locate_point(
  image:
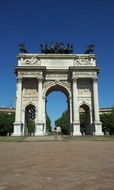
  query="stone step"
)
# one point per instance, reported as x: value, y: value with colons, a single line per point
x: 45, y: 138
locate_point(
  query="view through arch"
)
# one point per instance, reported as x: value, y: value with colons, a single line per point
x: 85, y: 122
x: 30, y: 120
x: 57, y: 108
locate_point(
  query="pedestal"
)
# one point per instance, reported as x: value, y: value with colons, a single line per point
x: 39, y: 131
x: 98, y: 129
x: 76, y: 129
x: 17, y: 129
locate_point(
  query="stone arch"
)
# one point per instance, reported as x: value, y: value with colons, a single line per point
x: 56, y: 72
x: 84, y: 103
x: 29, y: 103
x: 57, y: 85
x: 85, y: 119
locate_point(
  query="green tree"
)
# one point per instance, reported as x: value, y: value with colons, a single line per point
x: 48, y: 123
x: 31, y: 127
x: 6, y: 123
x: 106, y: 122
x: 112, y: 121
x: 83, y: 122
x: 63, y: 122
x: 58, y: 122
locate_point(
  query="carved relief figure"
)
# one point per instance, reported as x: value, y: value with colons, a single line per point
x: 31, y: 61
x: 84, y: 88
x: 30, y: 87
x: 84, y: 91
x: 82, y: 61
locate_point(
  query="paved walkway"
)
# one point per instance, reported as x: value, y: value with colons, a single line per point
x: 61, y: 165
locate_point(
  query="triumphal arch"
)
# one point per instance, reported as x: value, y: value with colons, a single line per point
x: 56, y: 68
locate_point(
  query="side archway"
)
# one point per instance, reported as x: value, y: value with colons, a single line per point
x: 85, y: 121
x: 30, y: 115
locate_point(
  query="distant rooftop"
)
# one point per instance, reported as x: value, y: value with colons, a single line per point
x: 12, y: 109
x: 7, y: 109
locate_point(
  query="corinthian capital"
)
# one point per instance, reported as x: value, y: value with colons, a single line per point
x: 74, y: 79
x: 95, y: 79
x: 40, y: 79
x: 19, y: 79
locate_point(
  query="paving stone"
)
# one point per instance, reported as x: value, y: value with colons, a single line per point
x: 62, y: 165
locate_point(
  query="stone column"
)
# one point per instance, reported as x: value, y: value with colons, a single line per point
x: 23, y: 122
x: 18, y: 123
x: 76, y: 123
x: 44, y: 114
x: 70, y: 109
x: 39, y: 125
x: 97, y: 123
x: 91, y: 122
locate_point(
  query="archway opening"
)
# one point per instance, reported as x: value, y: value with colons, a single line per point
x: 30, y: 114
x: 85, y: 124
x: 57, y: 109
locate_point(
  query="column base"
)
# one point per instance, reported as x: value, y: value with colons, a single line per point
x: 17, y: 129
x: 39, y: 131
x: 98, y: 129
x: 76, y: 129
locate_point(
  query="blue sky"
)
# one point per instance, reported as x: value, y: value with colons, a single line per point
x: 79, y: 22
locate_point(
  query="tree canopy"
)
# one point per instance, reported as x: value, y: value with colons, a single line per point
x: 64, y: 122
x: 6, y: 123
x: 112, y: 120
x: 31, y: 126
x: 107, y: 120
x: 48, y: 123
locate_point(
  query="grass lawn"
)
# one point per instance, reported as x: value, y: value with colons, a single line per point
x: 11, y: 139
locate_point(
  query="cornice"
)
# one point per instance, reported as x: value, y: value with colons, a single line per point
x: 55, y: 56
x: 84, y: 68
x: 29, y: 68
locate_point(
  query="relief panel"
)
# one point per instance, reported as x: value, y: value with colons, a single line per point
x: 32, y: 61
x: 31, y: 74
x: 30, y: 87
x: 84, y: 87
x: 84, y: 74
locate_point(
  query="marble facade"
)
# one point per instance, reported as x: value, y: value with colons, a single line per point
x: 76, y: 75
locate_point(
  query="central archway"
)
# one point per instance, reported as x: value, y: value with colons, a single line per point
x: 60, y: 89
